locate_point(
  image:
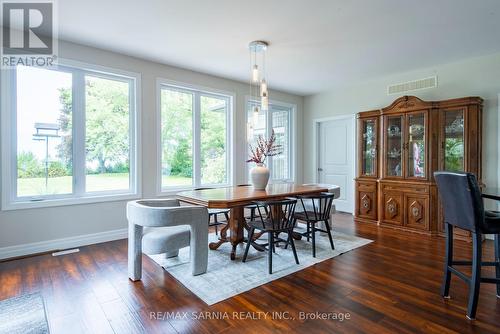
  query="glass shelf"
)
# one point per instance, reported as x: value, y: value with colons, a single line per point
x: 453, y: 144
x: 394, y: 147
x: 416, y: 145
x: 369, y: 147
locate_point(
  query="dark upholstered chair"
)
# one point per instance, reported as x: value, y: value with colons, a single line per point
x: 214, y: 213
x: 316, y: 209
x: 463, y: 207
x: 251, y: 207
x: 274, y: 217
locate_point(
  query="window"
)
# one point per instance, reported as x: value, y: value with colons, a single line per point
x: 72, y: 135
x: 194, y: 137
x: 278, y: 118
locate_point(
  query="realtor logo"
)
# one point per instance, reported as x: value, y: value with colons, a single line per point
x: 28, y: 33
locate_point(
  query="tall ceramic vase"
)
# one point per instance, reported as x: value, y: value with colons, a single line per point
x: 259, y: 176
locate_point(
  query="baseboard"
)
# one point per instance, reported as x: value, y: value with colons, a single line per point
x: 60, y: 244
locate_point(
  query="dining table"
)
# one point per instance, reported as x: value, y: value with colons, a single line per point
x: 235, y: 199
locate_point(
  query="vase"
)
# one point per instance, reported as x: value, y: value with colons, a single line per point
x: 259, y: 176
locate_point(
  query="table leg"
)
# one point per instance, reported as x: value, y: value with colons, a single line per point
x: 235, y: 227
x: 236, y: 224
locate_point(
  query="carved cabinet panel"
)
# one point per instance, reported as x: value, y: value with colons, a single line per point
x: 366, y: 200
x: 417, y: 212
x: 392, y: 208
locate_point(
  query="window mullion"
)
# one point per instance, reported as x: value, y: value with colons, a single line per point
x: 78, y: 133
x: 269, y: 129
x: 196, y: 140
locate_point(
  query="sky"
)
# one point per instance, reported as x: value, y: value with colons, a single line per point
x: 38, y: 102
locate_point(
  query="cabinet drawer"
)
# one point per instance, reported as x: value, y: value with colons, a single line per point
x: 366, y: 186
x: 413, y: 188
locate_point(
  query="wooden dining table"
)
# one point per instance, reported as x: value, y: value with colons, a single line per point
x: 235, y: 199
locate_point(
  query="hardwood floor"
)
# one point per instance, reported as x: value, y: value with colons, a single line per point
x: 391, y: 285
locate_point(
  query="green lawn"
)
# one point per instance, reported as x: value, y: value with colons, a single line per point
x: 94, y: 182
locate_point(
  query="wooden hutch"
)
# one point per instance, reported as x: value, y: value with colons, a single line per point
x: 400, y: 147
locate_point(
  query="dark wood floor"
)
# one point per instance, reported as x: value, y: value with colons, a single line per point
x: 388, y: 286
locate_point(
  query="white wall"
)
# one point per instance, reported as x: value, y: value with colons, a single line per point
x: 27, y: 226
x: 472, y: 77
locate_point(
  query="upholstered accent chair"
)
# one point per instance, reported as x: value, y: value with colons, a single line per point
x: 162, y: 226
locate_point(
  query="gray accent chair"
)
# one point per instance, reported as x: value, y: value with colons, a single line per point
x: 162, y: 226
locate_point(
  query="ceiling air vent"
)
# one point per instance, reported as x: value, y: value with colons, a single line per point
x: 412, y: 85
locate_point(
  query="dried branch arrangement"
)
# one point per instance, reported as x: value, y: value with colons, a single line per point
x: 264, y: 148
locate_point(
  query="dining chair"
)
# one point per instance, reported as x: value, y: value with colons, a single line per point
x: 279, y: 219
x: 315, y: 210
x: 333, y: 189
x: 162, y: 226
x: 251, y: 207
x: 214, y: 213
x: 463, y: 207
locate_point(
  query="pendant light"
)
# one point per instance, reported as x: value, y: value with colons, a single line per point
x: 258, y: 83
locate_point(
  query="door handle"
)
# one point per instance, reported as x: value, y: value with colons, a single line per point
x: 320, y: 169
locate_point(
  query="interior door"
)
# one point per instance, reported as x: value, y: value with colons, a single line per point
x: 336, y: 159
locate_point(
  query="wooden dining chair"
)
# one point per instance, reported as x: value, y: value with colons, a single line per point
x: 214, y: 213
x: 251, y: 207
x: 315, y: 210
x: 463, y: 207
x: 278, y: 219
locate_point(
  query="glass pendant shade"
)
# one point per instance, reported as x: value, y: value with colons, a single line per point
x: 255, y: 73
x: 263, y: 87
x: 255, y: 115
x: 264, y: 102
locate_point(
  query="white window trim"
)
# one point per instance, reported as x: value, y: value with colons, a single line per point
x: 10, y: 201
x: 230, y: 125
x: 292, y: 137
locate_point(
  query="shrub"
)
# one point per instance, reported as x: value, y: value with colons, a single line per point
x: 28, y: 166
x: 57, y: 169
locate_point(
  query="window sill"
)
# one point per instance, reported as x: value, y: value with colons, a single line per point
x: 18, y: 205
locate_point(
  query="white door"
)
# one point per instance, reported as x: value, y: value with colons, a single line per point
x: 336, y: 158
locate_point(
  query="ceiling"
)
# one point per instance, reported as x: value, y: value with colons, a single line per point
x: 315, y: 45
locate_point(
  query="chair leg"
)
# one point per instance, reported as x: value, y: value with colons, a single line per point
x: 250, y: 236
x: 476, y: 276
x: 308, y: 230
x: 313, y: 228
x: 215, y: 222
x: 497, y: 259
x: 292, y: 243
x: 445, y: 288
x: 270, y: 251
x: 274, y: 244
x: 329, y: 229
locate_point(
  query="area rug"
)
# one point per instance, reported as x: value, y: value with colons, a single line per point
x: 237, y: 277
x: 24, y: 314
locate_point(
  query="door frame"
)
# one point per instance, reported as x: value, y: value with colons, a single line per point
x: 498, y: 148
x: 316, y: 154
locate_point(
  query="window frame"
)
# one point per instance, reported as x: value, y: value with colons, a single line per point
x: 292, y: 136
x: 10, y: 200
x: 197, y: 91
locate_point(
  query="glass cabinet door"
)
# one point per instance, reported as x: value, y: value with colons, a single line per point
x: 369, y: 147
x: 394, y: 146
x: 416, y: 145
x: 453, y: 145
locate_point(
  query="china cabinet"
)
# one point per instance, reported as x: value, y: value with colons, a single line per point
x: 399, y: 148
